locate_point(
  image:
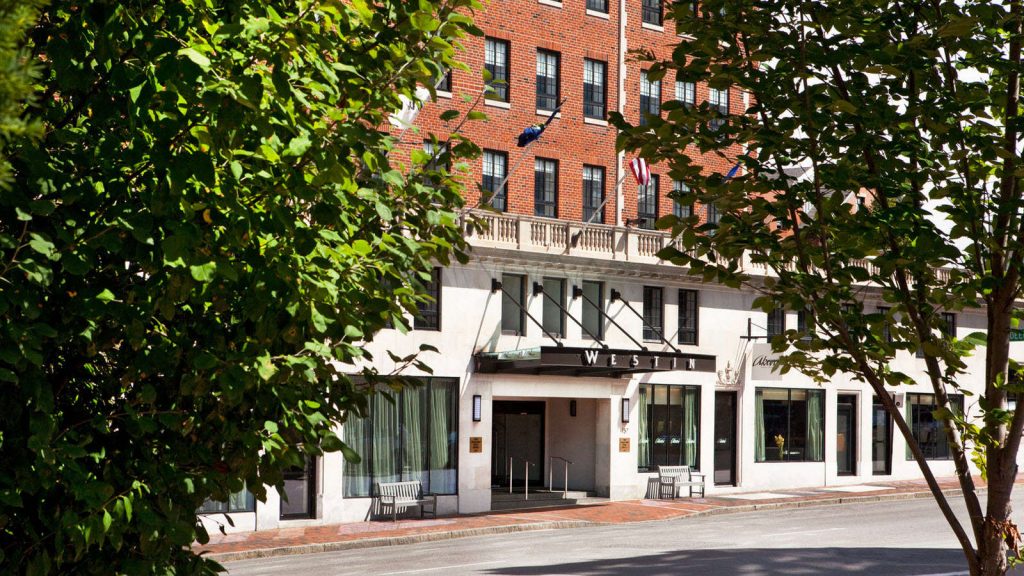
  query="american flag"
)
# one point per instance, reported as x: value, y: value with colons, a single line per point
x: 641, y: 171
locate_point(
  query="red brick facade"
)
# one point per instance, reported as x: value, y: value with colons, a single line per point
x: 575, y: 34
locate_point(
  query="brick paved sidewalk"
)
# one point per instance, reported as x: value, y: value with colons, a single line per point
x: 324, y: 538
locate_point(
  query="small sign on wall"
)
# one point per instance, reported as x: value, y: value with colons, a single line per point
x: 623, y: 444
x: 476, y: 444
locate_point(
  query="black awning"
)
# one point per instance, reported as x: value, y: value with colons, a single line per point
x: 564, y: 361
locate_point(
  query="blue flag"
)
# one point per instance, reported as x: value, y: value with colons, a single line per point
x: 533, y: 131
x: 732, y: 172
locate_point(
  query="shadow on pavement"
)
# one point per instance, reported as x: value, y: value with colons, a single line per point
x: 765, y: 562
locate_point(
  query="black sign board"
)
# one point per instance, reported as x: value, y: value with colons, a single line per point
x: 590, y: 361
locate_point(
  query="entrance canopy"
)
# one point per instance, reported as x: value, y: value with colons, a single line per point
x: 612, y: 363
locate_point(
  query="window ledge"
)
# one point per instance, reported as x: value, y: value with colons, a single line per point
x: 594, y: 121
x: 654, y: 27
x: 443, y: 94
x: 552, y: 3
x: 498, y: 104
x: 546, y: 113
x: 686, y: 36
x: 596, y: 14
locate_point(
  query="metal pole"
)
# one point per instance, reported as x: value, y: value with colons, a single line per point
x: 526, y: 479
x: 551, y: 469
x: 565, y: 485
x: 509, y: 474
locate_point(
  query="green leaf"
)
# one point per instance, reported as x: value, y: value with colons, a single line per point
x: 105, y: 296
x: 449, y: 115
x: 203, y: 272
x: 195, y: 56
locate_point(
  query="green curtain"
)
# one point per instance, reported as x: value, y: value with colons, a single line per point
x: 443, y: 438
x: 241, y: 501
x: 759, y: 426
x: 815, y: 430
x: 643, y: 453
x: 356, y: 477
x: 413, y: 437
x: 385, y: 439
x: 690, y: 426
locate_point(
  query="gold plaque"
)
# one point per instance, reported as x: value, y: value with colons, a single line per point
x: 476, y: 444
x: 623, y: 444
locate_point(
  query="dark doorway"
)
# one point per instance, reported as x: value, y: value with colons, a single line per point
x: 299, y: 498
x: 846, y: 434
x: 725, y: 438
x: 881, y: 439
x: 517, y: 434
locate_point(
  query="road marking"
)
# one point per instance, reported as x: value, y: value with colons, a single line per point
x: 444, y: 568
x: 774, y: 534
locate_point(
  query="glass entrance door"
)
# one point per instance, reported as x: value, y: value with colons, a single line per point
x: 846, y: 435
x: 299, y: 498
x: 517, y: 433
x: 881, y: 439
x: 725, y: 438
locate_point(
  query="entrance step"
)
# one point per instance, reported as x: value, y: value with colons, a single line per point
x: 502, y: 500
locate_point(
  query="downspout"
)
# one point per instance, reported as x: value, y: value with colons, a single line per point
x: 621, y: 157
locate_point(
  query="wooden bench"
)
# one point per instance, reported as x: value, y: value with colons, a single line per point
x: 402, y: 495
x: 671, y: 478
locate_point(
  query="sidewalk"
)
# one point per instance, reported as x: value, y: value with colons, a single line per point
x: 325, y: 538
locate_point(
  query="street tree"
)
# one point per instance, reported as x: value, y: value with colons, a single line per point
x: 914, y: 108
x: 194, y: 252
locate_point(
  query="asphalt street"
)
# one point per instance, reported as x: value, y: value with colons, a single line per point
x: 901, y: 538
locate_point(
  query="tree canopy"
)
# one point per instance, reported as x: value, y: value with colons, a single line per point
x: 194, y: 253
x: 882, y: 158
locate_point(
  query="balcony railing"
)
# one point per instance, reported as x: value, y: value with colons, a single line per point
x: 551, y: 236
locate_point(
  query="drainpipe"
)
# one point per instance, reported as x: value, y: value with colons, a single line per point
x: 621, y: 157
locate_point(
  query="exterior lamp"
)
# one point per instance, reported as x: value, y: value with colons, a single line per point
x: 477, y: 407
x: 625, y: 410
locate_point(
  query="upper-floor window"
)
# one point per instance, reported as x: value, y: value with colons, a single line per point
x: 680, y: 189
x: 513, y: 295
x: 718, y: 100
x: 650, y: 98
x: 688, y: 311
x: 554, y: 306
x: 805, y: 323
x: 496, y: 56
x: 686, y: 92
x: 545, y: 188
x: 886, y: 328
x: 594, y: 88
x: 443, y: 81
x: 776, y: 322
x: 713, y: 215
x: 593, y: 305
x: 593, y: 194
x: 654, y: 313
x: 647, y: 204
x: 495, y: 168
x: 547, y: 80
x: 652, y: 13
x: 429, y: 315
x: 948, y: 328
x: 598, y: 6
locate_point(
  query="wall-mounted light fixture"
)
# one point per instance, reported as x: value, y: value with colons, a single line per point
x: 615, y: 295
x: 576, y: 292
x: 495, y: 285
x: 478, y: 407
x: 625, y: 410
x: 572, y: 408
x: 538, y: 288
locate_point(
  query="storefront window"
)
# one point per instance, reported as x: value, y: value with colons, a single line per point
x: 241, y: 501
x: 413, y: 438
x: 788, y: 425
x: 668, y: 427
x: 929, y: 432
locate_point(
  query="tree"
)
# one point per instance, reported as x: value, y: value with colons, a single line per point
x: 196, y: 251
x: 914, y: 107
x: 16, y: 83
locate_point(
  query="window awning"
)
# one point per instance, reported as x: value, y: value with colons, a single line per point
x: 609, y: 363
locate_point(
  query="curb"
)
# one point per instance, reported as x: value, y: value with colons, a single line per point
x: 393, y: 540
x: 553, y: 525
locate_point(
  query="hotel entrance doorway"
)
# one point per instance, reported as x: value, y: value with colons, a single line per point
x: 518, y: 443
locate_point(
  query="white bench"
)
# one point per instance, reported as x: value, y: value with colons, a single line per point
x: 671, y: 478
x: 402, y: 495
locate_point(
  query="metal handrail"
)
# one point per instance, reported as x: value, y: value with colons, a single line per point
x: 565, y: 481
